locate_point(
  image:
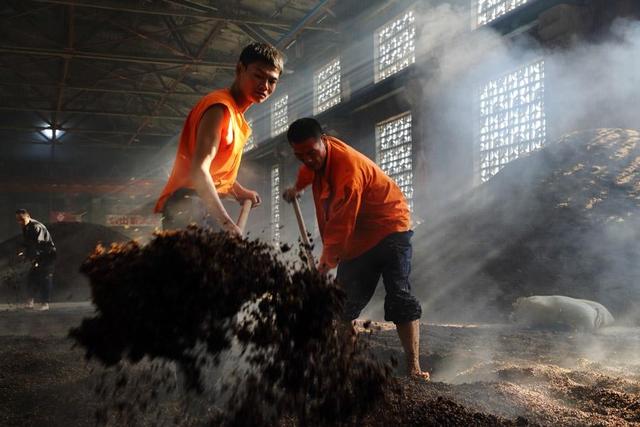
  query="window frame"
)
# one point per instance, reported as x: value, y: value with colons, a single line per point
x: 316, y: 93
x: 377, y: 72
x: 410, y: 144
x: 524, y: 146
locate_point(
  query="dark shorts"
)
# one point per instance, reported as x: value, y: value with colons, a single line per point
x: 391, y: 259
x: 185, y: 207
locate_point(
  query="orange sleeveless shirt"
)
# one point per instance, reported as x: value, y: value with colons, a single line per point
x: 225, y: 165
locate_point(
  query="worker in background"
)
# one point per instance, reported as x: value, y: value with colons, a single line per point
x: 365, y: 225
x: 37, y: 246
x: 211, y: 145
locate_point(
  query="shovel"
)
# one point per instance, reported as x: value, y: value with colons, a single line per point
x: 244, y: 215
x: 303, y: 234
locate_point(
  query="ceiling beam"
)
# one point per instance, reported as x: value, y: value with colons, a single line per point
x: 304, y: 24
x: 29, y: 11
x: 28, y: 29
x: 183, y: 73
x: 139, y: 187
x: 150, y: 10
x: 101, y: 144
x: 90, y: 113
x: 193, y: 5
x: 177, y: 36
x: 84, y: 131
x: 101, y: 56
x: 256, y: 33
x: 144, y: 103
x: 65, y: 69
x: 191, y: 24
x: 105, y: 90
x: 22, y: 77
x: 97, y: 25
x: 96, y: 80
x: 151, y: 39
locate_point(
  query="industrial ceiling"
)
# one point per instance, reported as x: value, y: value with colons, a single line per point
x: 100, y: 79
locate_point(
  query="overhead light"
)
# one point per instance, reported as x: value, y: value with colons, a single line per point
x: 49, y: 133
x: 291, y: 43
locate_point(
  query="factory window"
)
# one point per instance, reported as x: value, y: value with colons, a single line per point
x: 279, y: 115
x: 326, y: 87
x: 488, y: 10
x: 511, y: 118
x: 393, y: 152
x: 395, y: 46
x: 275, y: 203
x: 250, y: 144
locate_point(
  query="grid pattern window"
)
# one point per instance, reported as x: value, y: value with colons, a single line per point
x: 275, y: 203
x: 326, y: 87
x: 250, y: 144
x: 279, y: 115
x: 512, y: 118
x: 489, y: 10
x: 394, y: 152
x: 395, y: 46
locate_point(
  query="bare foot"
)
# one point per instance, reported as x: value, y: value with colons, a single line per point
x: 422, y: 375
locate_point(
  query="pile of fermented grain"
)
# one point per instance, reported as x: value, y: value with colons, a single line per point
x: 563, y: 220
x: 74, y: 241
x: 183, y: 290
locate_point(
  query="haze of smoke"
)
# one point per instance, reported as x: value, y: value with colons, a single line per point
x: 589, y: 84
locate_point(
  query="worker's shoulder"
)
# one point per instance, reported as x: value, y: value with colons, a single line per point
x: 345, y: 153
x: 218, y: 99
x: 35, y: 225
x: 39, y: 224
x: 221, y: 95
x: 350, y: 164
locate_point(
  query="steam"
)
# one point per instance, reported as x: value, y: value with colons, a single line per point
x: 589, y: 84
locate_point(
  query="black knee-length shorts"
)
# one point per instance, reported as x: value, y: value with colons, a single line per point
x: 391, y: 259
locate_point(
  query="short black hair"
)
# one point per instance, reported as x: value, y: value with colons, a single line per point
x: 22, y: 212
x: 303, y: 129
x: 262, y: 52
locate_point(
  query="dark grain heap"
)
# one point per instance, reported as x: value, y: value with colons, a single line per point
x: 183, y: 291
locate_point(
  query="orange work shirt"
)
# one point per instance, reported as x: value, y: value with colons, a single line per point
x: 224, y: 167
x: 357, y: 204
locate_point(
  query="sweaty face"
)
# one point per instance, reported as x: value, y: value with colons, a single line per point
x: 257, y: 81
x: 312, y: 152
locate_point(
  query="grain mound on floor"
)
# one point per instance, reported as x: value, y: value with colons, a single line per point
x: 183, y: 291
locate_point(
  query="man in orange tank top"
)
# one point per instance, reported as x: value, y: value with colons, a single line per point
x: 211, y: 143
x: 365, y: 225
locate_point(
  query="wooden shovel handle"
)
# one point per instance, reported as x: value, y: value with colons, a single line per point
x: 244, y: 214
x: 303, y: 233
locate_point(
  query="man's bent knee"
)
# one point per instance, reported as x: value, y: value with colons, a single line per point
x: 402, y: 309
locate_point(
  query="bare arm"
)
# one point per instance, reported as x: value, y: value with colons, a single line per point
x: 241, y: 194
x: 207, y: 144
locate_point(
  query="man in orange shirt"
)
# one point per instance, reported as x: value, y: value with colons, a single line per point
x: 211, y: 143
x: 365, y: 225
